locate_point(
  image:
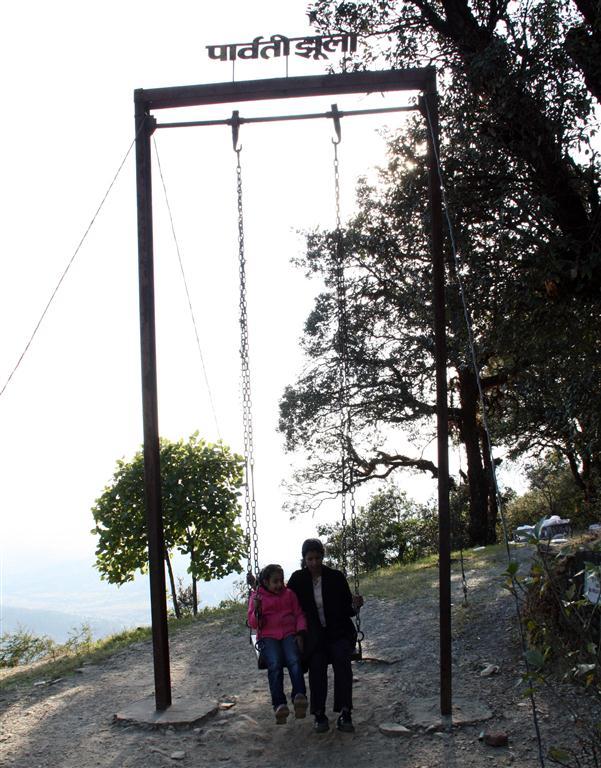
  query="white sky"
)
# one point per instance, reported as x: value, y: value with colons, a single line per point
x: 74, y: 405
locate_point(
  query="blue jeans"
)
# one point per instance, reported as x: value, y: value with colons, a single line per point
x: 278, y: 654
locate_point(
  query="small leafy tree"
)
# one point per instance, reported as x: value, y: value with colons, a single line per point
x: 391, y: 528
x: 200, y: 483
x: 23, y: 647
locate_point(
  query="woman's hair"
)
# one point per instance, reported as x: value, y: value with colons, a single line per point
x: 311, y: 545
x: 268, y: 571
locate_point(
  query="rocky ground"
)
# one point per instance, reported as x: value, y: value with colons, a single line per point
x: 69, y: 724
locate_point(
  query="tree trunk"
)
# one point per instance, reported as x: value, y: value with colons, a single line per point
x: 194, y: 588
x: 492, y: 506
x: 478, y: 529
x: 590, y: 478
x: 178, y: 614
x: 194, y: 596
x: 572, y: 461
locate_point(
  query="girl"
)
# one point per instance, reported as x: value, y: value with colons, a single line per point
x: 274, y: 611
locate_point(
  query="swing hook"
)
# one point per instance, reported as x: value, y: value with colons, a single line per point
x: 236, y: 122
x: 335, y: 114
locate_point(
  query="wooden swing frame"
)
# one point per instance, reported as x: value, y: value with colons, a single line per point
x: 146, y: 102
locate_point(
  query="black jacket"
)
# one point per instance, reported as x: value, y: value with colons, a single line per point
x: 337, y: 602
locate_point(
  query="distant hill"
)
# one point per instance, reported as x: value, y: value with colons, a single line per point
x: 51, y: 598
x: 55, y: 624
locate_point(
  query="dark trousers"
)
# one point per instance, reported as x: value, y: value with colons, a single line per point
x: 338, y: 654
x: 277, y: 654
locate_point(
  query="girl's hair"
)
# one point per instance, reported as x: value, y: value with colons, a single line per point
x: 268, y: 571
x: 311, y: 545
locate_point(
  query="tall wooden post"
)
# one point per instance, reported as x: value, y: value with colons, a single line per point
x: 429, y: 107
x: 152, y: 467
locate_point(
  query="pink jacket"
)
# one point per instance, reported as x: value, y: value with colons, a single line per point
x: 281, y: 614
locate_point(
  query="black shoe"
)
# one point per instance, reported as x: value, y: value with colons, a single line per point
x: 321, y: 724
x: 345, y: 722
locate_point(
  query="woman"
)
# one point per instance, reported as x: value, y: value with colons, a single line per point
x: 328, y: 604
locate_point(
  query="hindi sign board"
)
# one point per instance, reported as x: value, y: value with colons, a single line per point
x: 312, y: 47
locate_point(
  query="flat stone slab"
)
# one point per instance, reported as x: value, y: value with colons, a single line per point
x: 394, y: 729
x: 425, y: 713
x: 384, y: 659
x: 183, y: 712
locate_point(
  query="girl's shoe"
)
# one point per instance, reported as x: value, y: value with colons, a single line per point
x: 281, y: 714
x: 300, y: 705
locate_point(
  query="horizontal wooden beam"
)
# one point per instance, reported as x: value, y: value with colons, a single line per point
x: 415, y: 79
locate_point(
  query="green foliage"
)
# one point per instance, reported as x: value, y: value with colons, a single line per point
x: 238, y: 596
x: 391, y: 529
x: 552, y: 491
x: 23, y: 647
x: 79, y: 640
x: 517, y: 87
x: 199, y: 486
x: 561, y: 624
x: 185, y: 598
x: 522, y: 181
x: 535, y: 658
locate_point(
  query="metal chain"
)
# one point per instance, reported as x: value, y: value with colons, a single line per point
x: 341, y: 349
x: 250, y: 506
x: 348, y: 487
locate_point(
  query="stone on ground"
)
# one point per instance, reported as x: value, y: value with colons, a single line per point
x: 498, y: 739
x: 394, y: 729
x: 425, y: 713
x: 183, y: 712
x: 489, y: 669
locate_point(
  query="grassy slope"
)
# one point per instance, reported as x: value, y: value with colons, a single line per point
x: 406, y: 581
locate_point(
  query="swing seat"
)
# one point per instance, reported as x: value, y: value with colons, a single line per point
x: 261, y: 663
x: 357, y: 654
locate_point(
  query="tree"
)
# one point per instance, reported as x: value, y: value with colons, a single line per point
x: 534, y: 70
x: 199, y: 488
x: 387, y: 263
x: 551, y: 491
x: 555, y: 407
x: 391, y: 528
x: 512, y: 130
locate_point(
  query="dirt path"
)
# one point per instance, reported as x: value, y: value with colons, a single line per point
x: 69, y: 724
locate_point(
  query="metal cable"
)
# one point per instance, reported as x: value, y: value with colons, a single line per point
x: 464, y: 585
x: 472, y: 351
x: 70, y: 262
x: 250, y: 506
x: 181, y: 266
